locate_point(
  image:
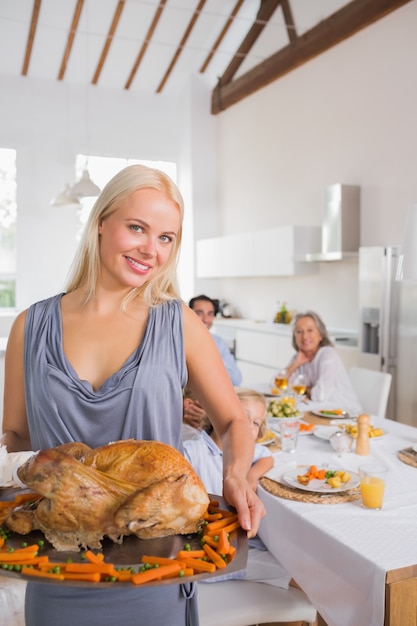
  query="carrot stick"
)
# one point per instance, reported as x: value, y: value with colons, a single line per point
x: 32, y: 548
x: 154, y: 573
x: 28, y: 571
x: 215, y: 557
x: 232, y: 552
x: 2, y: 542
x: 212, y: 517
x: 222, y: 512
x: 228, y: 529
x: 161, y: 560
x: 94, y: 577
x: 200, y: 565
x: 215, y: 526
x: 91, y: 568
x: 51, y: 564
x: 94, y: 558
x: 211, y: 541
x: 124, y: 575
x: 194, y: 554
x: 188, y: 571
x: 37, y: 560
x: 11, y: 557
x: 223, y: 545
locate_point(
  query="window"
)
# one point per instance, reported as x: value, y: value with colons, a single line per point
x: 102, y: 169
x: 8, y: 213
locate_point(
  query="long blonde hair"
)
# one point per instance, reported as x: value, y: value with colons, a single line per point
x: 85, y: 269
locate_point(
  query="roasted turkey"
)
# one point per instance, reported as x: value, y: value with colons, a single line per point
x: 142, y: 488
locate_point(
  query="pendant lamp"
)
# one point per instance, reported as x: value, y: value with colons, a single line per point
x: 407, y: 266
x: 65, y: 198
x: 85, y: 186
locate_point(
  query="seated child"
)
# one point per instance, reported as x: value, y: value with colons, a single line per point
x: 205, y: 455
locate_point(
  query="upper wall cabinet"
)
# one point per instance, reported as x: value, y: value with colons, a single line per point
x: 271, y: 252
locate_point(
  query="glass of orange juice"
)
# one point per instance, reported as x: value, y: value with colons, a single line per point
x: 372, y: 477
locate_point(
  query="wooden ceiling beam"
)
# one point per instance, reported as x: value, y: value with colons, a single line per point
x: 108, y: 42
x: 289, y: 20
x: 181, y: 45
x: 70, y: 41
x: 144, y: 47
x: 31, y: 36
x: 336, y: 28
x: 264, y: 14
x: 222, y: 35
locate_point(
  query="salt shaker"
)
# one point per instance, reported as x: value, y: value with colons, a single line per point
x: 362, y: 442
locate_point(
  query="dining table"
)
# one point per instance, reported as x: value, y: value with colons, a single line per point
x: 358, y: 566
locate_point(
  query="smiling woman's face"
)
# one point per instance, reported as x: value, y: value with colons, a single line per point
x: 136, y: 240
x: 307, y: 336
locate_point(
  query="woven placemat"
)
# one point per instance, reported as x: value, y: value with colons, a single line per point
x: 291, y: 493
x: 320, y: 421
x: 408, y: 456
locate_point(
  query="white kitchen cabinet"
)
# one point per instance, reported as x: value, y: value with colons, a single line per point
x: 267, y: 349
x: 273, y: 252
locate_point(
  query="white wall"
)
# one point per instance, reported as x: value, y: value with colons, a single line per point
x: 49, y: 124
x: 347, y: 116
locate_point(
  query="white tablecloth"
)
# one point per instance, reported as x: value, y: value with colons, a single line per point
x: 340, y: 553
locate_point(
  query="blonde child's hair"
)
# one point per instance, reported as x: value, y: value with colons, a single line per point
x: 245, y: 395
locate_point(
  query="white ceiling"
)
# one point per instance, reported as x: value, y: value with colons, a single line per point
x: 55, y: 18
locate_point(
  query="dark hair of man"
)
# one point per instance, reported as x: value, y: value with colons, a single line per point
x: 215, y: 303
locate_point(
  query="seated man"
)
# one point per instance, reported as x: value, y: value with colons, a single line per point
x: 206, y: 309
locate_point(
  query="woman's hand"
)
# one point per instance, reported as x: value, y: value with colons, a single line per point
x: 300, y: 359
x: 239, y: 493
x: 193, y: 413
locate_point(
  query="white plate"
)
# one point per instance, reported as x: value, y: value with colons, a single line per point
x: 275, y: 421
x: 318, y: 486
x: 325, y: 432
x: 267, y: 442
x: 333, y: 416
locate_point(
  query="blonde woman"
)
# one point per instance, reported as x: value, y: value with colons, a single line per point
x: 108, y: 360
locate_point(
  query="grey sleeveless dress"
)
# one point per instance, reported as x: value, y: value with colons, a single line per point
x: 142, y: 401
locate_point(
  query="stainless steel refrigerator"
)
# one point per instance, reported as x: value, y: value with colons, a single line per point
x: 388, y: 327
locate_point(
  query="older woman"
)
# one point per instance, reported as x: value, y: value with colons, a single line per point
x: 317, y: 360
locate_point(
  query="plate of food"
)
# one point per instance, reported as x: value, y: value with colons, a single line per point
x: 374, y: 433
x: 332, y: 413
x: 109, y: 515
x: 321, y: 479
x: 306, y: 428
x: 118, y: 564
x: 285, y: 408
x: 268, y: 438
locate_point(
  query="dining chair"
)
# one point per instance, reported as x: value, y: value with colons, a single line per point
x: 245, y: 603
x: 372, y: 388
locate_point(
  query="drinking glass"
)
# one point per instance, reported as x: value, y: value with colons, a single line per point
x: 299, y: 386
x: 341, y: 441
x: 280, y: 380
x: 289, y: 429
x: 372, y: 478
